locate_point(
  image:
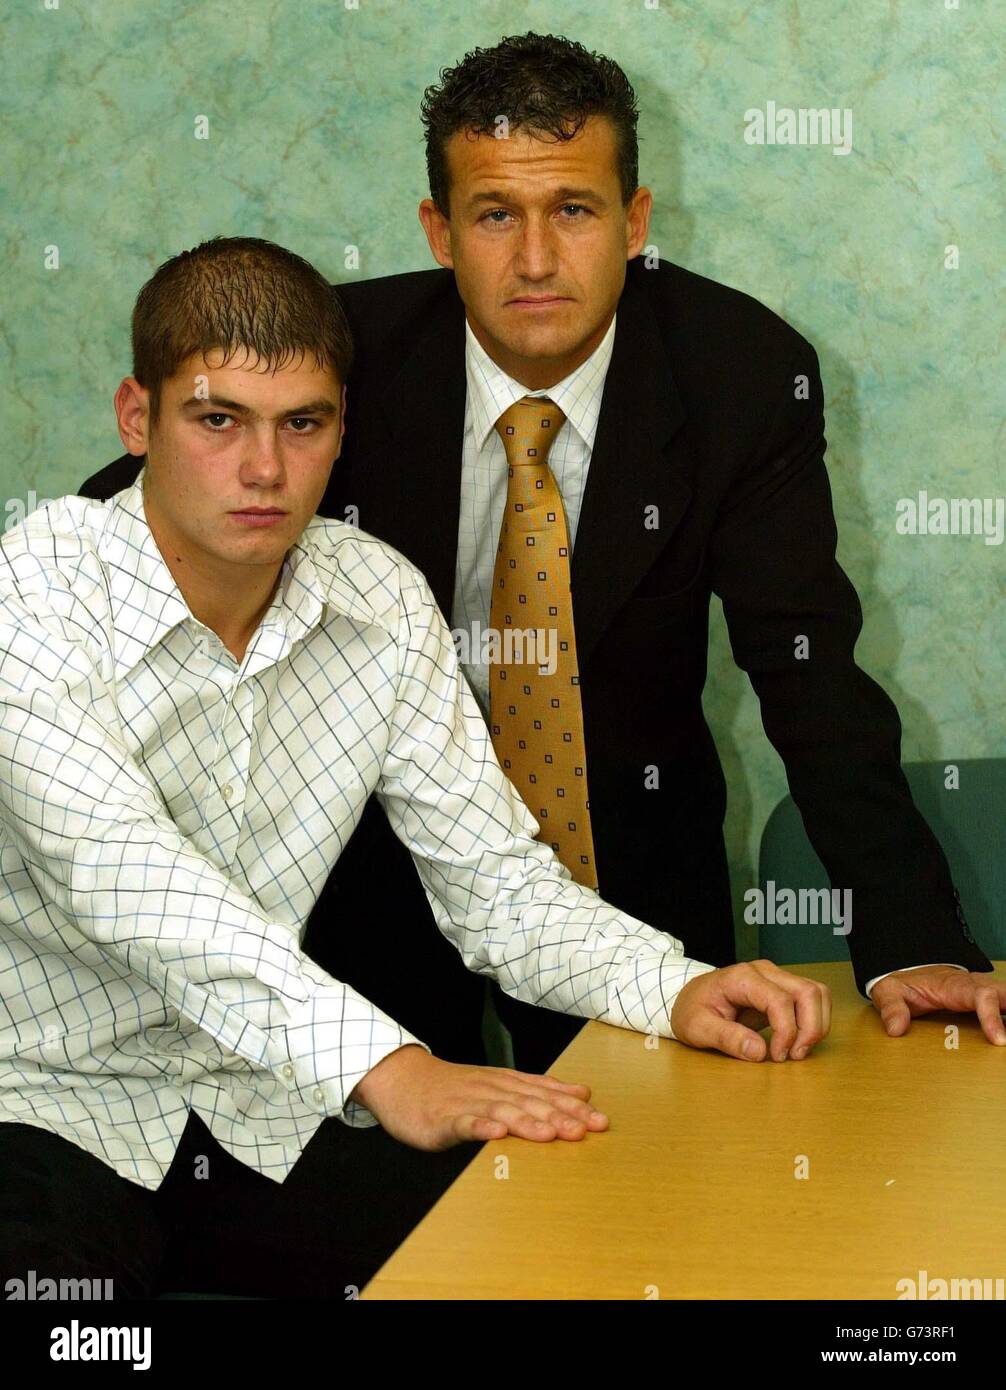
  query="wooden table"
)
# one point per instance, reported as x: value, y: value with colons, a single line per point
x: 692, y: 1193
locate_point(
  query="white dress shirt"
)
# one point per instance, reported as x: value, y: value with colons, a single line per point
x: 168, y: 818
x: 490, y: 391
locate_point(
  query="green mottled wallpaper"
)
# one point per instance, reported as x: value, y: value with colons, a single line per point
x: 884, y: 245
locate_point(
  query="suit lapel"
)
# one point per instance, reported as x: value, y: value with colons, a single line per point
x: 629, y: 471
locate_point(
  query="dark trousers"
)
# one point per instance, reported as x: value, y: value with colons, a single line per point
x: 349, y: 1201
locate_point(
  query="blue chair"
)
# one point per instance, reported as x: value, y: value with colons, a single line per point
x: 970, y: 824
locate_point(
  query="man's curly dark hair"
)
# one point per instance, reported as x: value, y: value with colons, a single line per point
x: 543, y: 84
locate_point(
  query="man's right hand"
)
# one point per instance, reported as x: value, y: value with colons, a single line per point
x: 432, y: 1104
x: 722, y: 1008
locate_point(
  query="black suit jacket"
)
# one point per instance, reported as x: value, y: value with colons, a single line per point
x: 707, y: 476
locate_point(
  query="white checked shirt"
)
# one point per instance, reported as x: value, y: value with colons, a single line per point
x: 168, y: 819
x: 484, y: 473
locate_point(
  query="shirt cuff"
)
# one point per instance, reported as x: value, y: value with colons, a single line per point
x: 953, y: 965
x: 331, y: 1043
x: 643, y: 992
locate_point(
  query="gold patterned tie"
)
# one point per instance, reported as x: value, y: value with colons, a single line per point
x: 536, y: 715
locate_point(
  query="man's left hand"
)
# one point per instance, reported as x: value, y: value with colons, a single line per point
x: 901, y: 997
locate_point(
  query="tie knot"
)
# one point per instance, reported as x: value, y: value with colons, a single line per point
x: 528, y: 428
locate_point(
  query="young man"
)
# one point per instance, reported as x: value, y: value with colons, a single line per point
x: 201, y: 685
x: 690, y: 462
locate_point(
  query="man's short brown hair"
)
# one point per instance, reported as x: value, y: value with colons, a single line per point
x: 232, y: 294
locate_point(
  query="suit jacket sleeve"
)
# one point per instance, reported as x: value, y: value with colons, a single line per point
x: 773, y: 565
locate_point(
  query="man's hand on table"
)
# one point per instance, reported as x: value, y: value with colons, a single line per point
x: 432, y: 1104
x: 901, y: 997
x: 722, y: 1009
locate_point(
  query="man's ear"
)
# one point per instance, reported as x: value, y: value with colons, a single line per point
x: 638, y: 221
x: 132, y: 412
x: 438, y: 232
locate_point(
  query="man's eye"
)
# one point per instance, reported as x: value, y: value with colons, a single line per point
x: 303, y: 420
x: 216, y: 416
x: 493, y: 211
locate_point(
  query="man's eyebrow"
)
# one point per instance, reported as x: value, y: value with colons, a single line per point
x: 322, y: 406
x: 566, y: 194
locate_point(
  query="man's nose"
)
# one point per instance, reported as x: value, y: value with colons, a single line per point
x: 536, y: 253
x: 261, y: 462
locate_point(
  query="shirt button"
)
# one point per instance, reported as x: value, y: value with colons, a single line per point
x: 319, y: 1095
x: 227, y: 792
x: 288, y: 1071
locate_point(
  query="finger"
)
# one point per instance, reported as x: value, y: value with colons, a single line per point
x: 477, y: 1128
x: 988, y: 1008
x: 826, y: 1006
x: 519, y: 1121
x: 895, y: 1014
x: 750, y: 984
x: 707, y: 1028
x: 807, y: 1002
x: 781, y: 1012
x: 561, y: 1110
x: 573, y: 1099
x: 552, y: 1082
